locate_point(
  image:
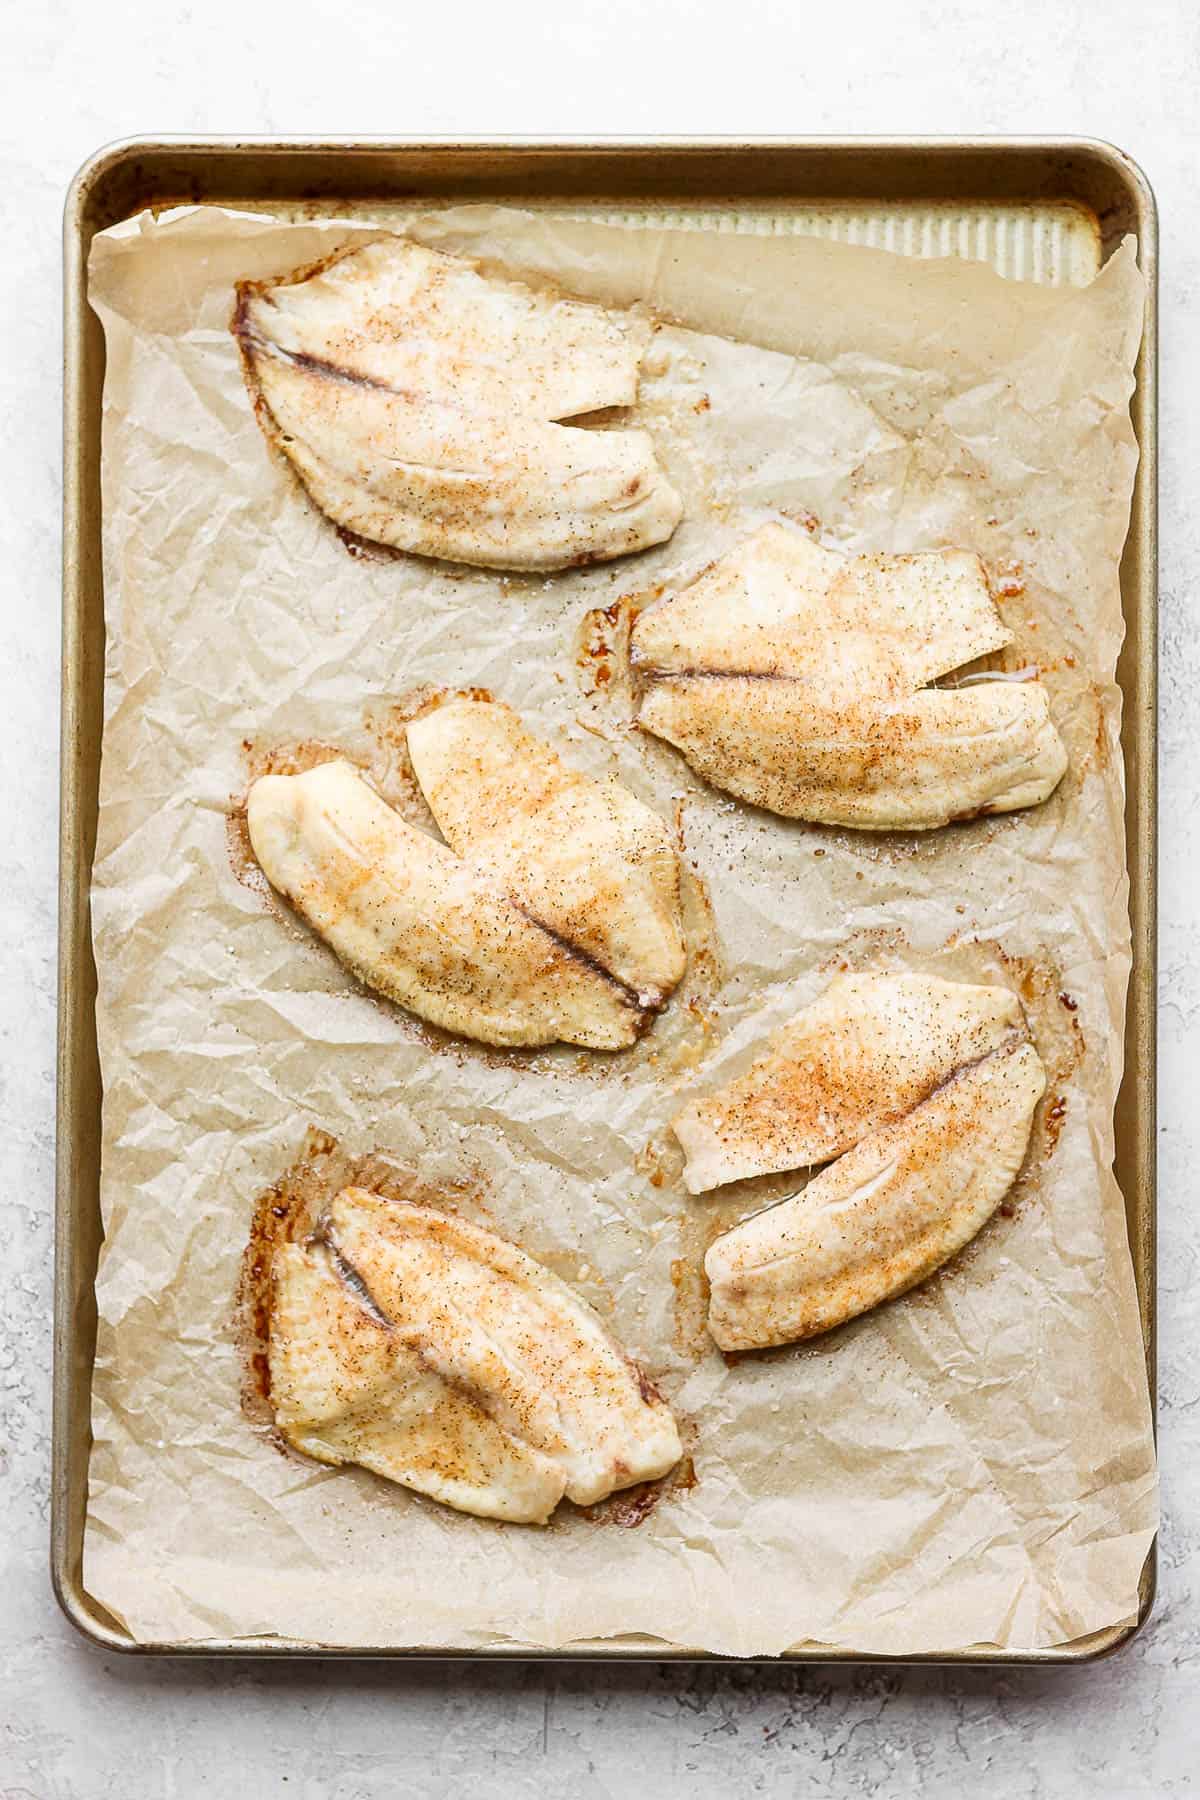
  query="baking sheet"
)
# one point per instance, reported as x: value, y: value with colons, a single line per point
x: 926, y: 1479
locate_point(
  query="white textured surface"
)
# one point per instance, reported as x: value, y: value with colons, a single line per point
x: 73, y: 1723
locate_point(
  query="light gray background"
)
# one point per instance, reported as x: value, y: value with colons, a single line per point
x: 73, y: 74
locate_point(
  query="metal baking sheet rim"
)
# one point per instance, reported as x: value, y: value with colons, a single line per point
x: 707, y: 171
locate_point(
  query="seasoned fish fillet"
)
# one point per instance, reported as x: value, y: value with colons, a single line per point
x: 780, y: 604
x: 754, y: 611
x: 794, y: 679
x: 417, y: 320
x: 882, y: 765
x: 418, y: 402
x: 884, y: 1216
x: 584, y: 858
x: 346, y: 1388
x: 440, y: 1356
x: 864, y: 1053
x: 423, y: 926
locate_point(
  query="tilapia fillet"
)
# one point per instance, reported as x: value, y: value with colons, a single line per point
x: 923, y: 1089
x: 420, y: 403
x: 585, y: 858
x: 442, y: 1357
x: 563, y: 925
x: 884, y: 1216
x: 861, y: 1056
x: 795, y: 679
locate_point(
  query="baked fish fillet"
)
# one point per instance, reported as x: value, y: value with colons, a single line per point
x: 347, y: 1389
x: 794, y: 679
x: 418, y: 402
x: 861, y: 1056
x: 421, y: 925
x: 442, y: 1357
x: 584, y: 858
x: 417, y: 320
x: 874, y: 765
x: 884, y: 1216
x: 780, y: 604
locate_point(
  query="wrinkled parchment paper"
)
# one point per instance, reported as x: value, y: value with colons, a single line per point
x: 970, y: 1465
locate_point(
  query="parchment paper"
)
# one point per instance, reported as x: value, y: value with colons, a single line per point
x: 971, y: 1464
